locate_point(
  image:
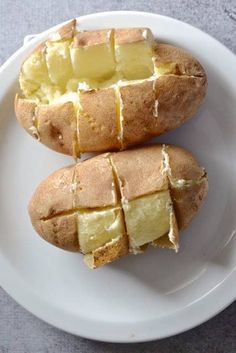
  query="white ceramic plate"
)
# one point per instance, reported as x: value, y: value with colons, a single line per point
x: 138, y: 298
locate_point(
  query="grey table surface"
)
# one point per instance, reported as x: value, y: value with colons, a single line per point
x: 20, y: 331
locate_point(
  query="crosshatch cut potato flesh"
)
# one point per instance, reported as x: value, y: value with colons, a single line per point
x: 118, y: 203
x: 106, y: 89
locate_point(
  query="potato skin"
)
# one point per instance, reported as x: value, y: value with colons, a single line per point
x: 184, y: 63
x: 54, y: 195
x: 57, y: 126
x: 97, y: 122
x: 25, y: 114
x: 147, y: 108
x: 61, y: 231
x: 179, y: 98
x: 139, y: 120
x: 55, y: 203
x: 187, y: 201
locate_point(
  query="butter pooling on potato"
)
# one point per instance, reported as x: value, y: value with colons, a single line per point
x: 103, y: 90
x: 118, y: 203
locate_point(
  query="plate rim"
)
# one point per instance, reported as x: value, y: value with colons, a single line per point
x: 213, y: 307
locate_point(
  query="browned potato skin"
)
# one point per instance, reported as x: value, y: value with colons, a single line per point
x: 187, y: 201
x: 102, y: 181
x: 57, y: 126
x: 88, y: 192
x: 183, y: 164
x: 87, y: 38
x: 65, y: 32
x: 179, y: 92
x: 184, y: 63
x: 98, y: 121
x: 54, y: 195
x: 110, y: 252
x: 61, y: 231
x: 25, y: 114
x: 179, y: 98
x: 139, y: 171
x: 139, y: 122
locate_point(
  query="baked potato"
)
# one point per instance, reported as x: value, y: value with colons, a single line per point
x: 105, y: 90
x: 118, y: 203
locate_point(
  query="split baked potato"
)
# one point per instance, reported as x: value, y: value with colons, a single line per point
x: 118, y: 203
x: 103, y: 90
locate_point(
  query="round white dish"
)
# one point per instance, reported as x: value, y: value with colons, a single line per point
x: 138, y: 298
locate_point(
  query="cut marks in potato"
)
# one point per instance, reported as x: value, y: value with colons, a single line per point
x: 147, y: 218
x: 138, y: 115
x: 89, y: 193
x: 97, y: 122
x: 134, y: 51
x: 111, y: 251
x: 61, y: 231
x: 115, y: 66
x: 92, y: 55
x: 96, y: 228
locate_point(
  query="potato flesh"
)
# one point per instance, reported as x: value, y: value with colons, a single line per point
x: 147, y: 218
x: 35, y: 81
x: 96, y: 228
x: 46, y: 94
x: 135, y: 60
x: 95, y: 62
x: 28, y: 86
x: 34, y: 72
x: 59, y: 62
x: 35, y: 68
x: 60, y: 68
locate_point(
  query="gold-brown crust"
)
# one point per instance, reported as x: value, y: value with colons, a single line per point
x: 97, y: 121
x: 108, y: 253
